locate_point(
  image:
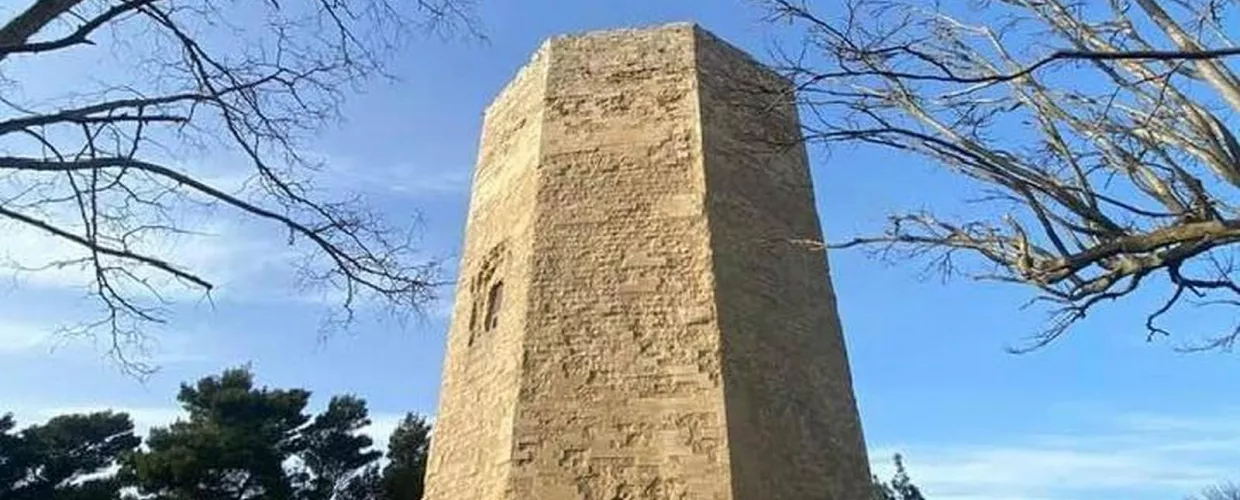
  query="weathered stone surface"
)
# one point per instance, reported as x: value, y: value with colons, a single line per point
x: 631, y: 322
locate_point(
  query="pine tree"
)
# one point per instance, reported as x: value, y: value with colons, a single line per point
x: 63, y: 458
x: 335, y: 455
x: 404, y: 476
x: 242, y: 442
x: 900, y: 487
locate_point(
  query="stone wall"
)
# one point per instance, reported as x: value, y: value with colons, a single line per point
x: 471, y: 450
x: 628, y: 324
x: 792, y: 419
x: 621, y: 394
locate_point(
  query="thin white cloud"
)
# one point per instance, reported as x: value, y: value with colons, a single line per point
x: 1163, y: 424
x: 220, y: 251
x: 51, y: 339
x: 444, y: 183
x: 1167, y: 455
x: 403, y: 179
x: 28, y: 248
x: 221, y: 246
x: 17, y: 337
x: 245, y: 259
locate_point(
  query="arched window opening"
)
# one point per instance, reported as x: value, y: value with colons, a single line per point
x: 495, y: 299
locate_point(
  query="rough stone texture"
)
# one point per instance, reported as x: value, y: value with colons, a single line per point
x: 631, y: 321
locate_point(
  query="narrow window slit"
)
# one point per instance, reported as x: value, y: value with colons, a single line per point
x: 495, y: 299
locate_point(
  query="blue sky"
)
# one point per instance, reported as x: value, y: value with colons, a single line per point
x: 1099, y: 414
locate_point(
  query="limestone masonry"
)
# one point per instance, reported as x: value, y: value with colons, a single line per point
x: 631, y: 320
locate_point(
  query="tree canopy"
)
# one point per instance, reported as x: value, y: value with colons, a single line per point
x: 65, y: 458
x: 899, y: 487
x: 237, y: 441
x: 233, y: 444
x: 408, y: 449
x: 1221, y: 491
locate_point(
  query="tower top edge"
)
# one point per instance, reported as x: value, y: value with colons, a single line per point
x: 648, y: 28
x: 698, y: 34
x: 541, y: 53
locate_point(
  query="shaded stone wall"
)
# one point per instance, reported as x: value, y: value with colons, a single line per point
x: 628, y: 325
x: 471, y: 450
x: 792, y: 419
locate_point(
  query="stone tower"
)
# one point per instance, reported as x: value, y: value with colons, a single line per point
x: 633, y: 318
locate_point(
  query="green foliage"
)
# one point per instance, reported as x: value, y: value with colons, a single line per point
x: 233, y: 445
x: 1221, y: 491
x: 368, y: 485
x: 899, y: 488
x: 12, y: 455
x: 242, y: 442
x: 334, y: 452
x: 237, y: 442
x: 65, y: 458
x: 407, y: 453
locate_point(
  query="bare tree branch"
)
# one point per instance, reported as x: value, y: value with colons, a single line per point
x: 1100, y: 175
x: 17, y: 43
x: 98, y: 168
x: 18, y: 30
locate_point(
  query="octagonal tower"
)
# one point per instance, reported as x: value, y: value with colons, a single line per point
x: 633, y: 319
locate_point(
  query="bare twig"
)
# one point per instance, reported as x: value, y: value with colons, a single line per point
x: 1124, y: 169
x: 94, y: 168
